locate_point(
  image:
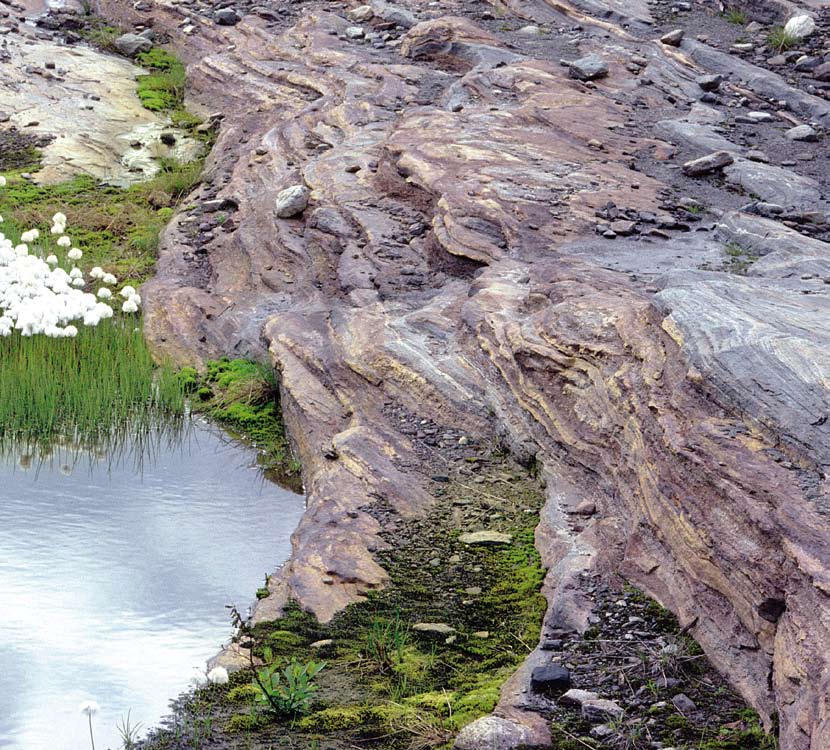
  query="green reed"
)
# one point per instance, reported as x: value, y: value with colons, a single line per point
x: 100, y: 390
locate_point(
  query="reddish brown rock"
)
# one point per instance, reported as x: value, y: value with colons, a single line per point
x: 449, y: 265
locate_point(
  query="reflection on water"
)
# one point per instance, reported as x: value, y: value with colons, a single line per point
x: 113, y: 583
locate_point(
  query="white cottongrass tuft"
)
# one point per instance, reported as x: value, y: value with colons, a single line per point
x: 104, y: 293
x: 52, y: 260
x: 64, y: 241
x: 127, y: 292
x: 129, y: 306
x: 75, y: 254
x: 2, y: 181
x: 89, y: 708
x: 109, y: 279
x: 218, y: 676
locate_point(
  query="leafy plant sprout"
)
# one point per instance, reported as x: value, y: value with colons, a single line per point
x: 89, y: 709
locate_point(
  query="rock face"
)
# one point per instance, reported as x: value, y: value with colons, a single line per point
x: 453, y: 265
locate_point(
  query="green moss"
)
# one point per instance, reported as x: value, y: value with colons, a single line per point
x: 244, y: 397
x: 246, y: 722
x: 117, y: 228
x: 262, y: 593
x: 161, y: 90
x: 340, y: 718
x: 243, y: 693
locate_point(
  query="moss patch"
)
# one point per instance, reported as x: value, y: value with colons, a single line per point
x: 243, y: 396
x: 386, y: 684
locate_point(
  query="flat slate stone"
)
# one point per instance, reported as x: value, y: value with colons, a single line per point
x: 485, y: 537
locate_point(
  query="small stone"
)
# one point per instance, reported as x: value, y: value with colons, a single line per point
x: 226, y: 17
x: 586, y: 507
x: 673, y: 38
x: 684, y: 703
x: 601, y: 732
x: 131, y: 44
x: 530, y: 30
x: 436, y: 628
x: 706, y: 164
x: 822, y: 72
x: 801, y: 133
x: 800, y: 27
x: 168, y: 139
x: 481, y: 634
x: 600, y: 710
x: 710, y: 82
x: 576, y: 697
x: 361, y: 14
x: 758, y: 156
x: 322, y: 644
x: 292, y: 201
x: 550, y: 678
x: 473, y: 590
x: 761, y: 117
x: 355, y: 32
x: 806, y: 63
x: 485, y: 538
x: 588, y: 68
x: 623, y: 228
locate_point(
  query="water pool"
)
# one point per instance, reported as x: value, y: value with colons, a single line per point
x: 114, y: 580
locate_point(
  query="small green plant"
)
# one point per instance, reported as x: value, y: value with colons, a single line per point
x: 779, y: 40
x: 385, y: 642
x: 287, y: 691
x: 736, y: 16
x: 128, y: 732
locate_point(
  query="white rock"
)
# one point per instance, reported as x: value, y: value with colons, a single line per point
x: 292, y: 201
x: 800, y: 27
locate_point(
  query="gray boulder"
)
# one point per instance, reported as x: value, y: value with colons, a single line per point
x: 588, y: 68
x: 132, y: 44
x: 226, y: 17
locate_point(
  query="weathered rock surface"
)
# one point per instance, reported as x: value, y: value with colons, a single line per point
x: 451, y: 265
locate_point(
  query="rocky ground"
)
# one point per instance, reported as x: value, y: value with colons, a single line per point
x: 564, y: 228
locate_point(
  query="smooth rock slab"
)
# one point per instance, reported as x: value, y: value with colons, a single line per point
x: 485, y: 538
x: 493, y: 733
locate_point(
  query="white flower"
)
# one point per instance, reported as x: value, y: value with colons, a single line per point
x: 70, y: 332
x: 218, y: 676
x: 108, y: 278
x: 52, y: 260
x: 64, y: 241
x: 127, y: 292
x: 74, y: 254
x: 29, y: 236
x: 2, y: 181
x: 21, y: 250
x: 1, y: 219
x: 89, y: 708
x: 78, y: 283
x: 104, y: 293
x: 75, y: 273
x: 129, y: 306
x: 59, y: 218
x: 58, y: 228
x: 97, y: 273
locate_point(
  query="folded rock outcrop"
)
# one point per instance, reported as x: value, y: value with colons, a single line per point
x: 461, y: 256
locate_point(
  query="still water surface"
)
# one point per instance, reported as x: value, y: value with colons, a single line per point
x: 114, y: 581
